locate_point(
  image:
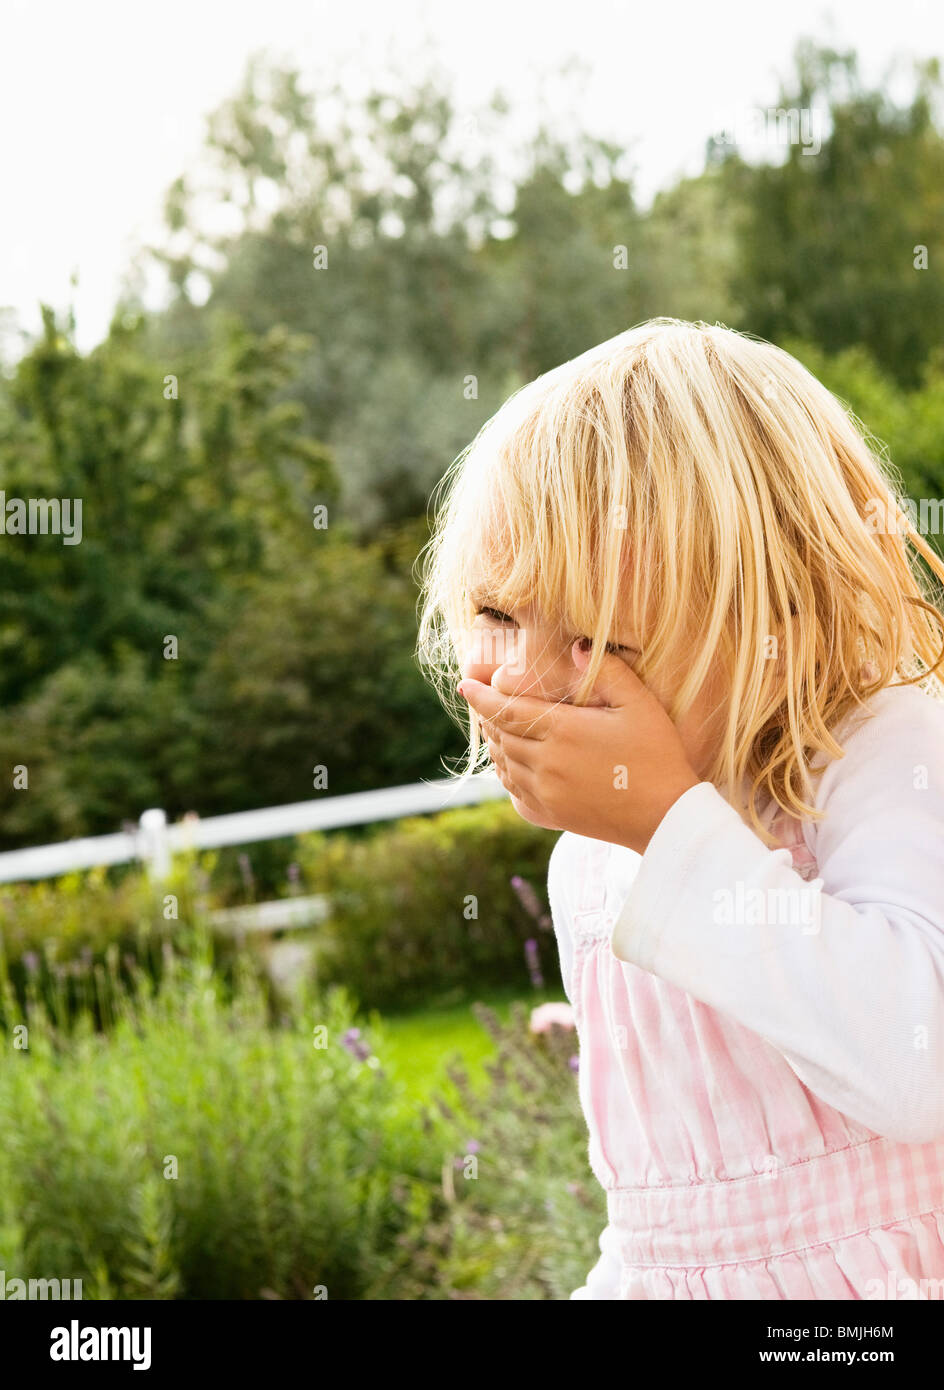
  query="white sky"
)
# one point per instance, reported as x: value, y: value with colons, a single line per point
x: 102, y: 102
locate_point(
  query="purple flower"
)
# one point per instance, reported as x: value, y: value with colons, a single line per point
x: 526, y: 895
x: 31, y: 961
x: 574, y: 1063
x: 473, y: 1146
x: 529, y: 901
x: 534, y: 964
x: 352, y: 1042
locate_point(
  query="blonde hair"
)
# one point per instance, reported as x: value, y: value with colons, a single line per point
x: 736, y: 496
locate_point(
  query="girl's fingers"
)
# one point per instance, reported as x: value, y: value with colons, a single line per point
x: 523, y: 715
x: 521, y: 750
x: 512, y: 751
x: 516, y: 776
x: 515, y: 788
x: 494, y: 752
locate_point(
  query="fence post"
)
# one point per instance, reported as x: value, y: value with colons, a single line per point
x: 153, y: 845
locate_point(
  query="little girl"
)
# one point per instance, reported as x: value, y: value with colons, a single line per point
x: 694, y: 630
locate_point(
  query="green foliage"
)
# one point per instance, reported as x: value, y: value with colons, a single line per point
x: 294, y: 644
x: 319, y: 671
x: 177, y: 494
x: 194, y: 1151
x: 907, y: 426
x: 399, y: 933
x: 284, y: 1151
x: 523, y: 1211
x: 831, y: 235
x: 397, y: 936
x: 66, y: 941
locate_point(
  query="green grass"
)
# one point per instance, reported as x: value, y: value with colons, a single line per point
x: 416, y: 1047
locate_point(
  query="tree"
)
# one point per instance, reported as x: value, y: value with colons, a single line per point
x: 831, y: 251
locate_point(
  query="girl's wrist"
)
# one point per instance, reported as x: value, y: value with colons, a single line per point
x: 669, y: 795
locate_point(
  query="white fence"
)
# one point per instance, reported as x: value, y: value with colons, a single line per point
x: 155, y: 842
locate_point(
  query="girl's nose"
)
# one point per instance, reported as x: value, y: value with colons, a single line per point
x: 488, y: 648
x: 551, y: 675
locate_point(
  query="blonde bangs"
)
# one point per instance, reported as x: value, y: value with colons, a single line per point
x: 703, y: 488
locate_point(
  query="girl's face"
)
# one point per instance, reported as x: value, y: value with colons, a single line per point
x: 536, y: 654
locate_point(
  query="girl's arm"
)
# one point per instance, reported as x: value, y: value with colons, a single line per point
x: 846, y: 980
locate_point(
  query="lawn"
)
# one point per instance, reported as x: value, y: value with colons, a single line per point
x: 416, y: 1047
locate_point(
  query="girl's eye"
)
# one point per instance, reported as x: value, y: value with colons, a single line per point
x: 497, y: 616
x: 616, y: 650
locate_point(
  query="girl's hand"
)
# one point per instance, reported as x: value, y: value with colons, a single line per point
x: 609, y: 772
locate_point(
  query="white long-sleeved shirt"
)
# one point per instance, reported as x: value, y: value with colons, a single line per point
x: 851, y: 994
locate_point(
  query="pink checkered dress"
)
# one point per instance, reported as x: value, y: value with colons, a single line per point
x: 725, y: 1176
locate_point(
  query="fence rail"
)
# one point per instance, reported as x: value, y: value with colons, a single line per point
x: 272, y: 916
x: 155, y: 842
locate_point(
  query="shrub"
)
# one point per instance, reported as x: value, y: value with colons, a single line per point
x: 193, y: 1151
x: 196, y: 1151
x: 399, y: 933
x: 427, y: 906
x: 523, y: 1211
x: 58, y: 935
